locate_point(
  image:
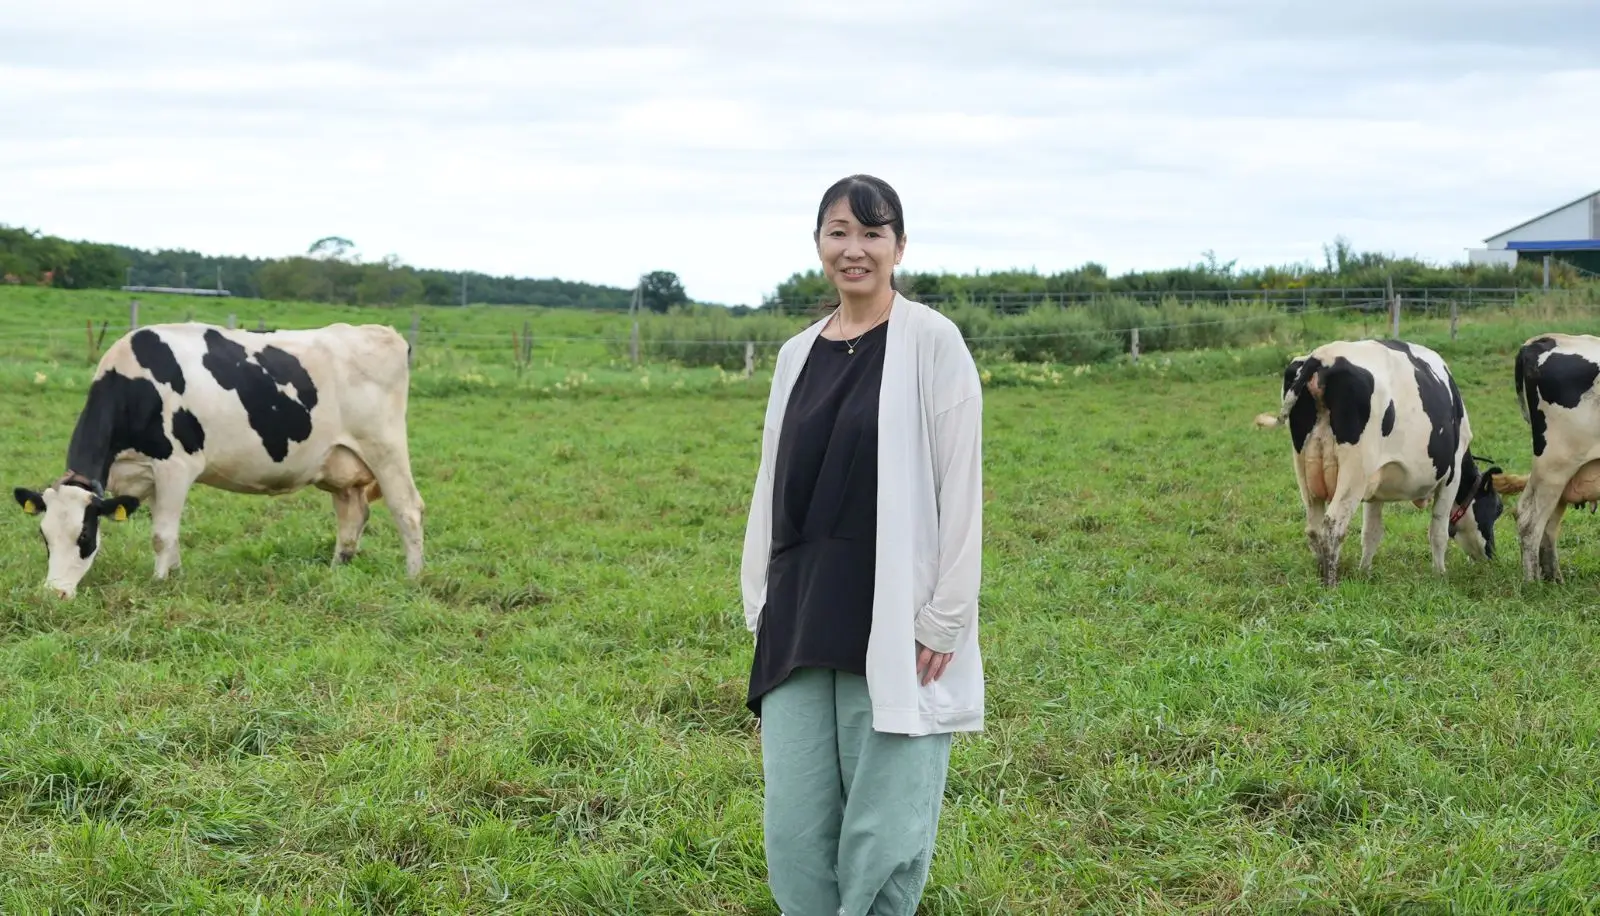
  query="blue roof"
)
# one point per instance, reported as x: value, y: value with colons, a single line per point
x: 1557, y: 245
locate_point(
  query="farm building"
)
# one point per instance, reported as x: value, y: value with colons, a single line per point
x: 1569, y: 233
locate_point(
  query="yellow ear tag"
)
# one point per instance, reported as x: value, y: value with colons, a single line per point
x: 122, y: 513
x: 30, y: 508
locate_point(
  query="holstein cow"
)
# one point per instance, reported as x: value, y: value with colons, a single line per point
x: 1382, y: 421
x: 265, y: 413
x: 1555, y: 381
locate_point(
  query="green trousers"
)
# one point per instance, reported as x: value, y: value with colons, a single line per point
x: 851, y: 814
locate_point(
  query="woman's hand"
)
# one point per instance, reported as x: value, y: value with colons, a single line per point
x: 931, y: 664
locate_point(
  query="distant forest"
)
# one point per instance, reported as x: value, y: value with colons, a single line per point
x: 327, y: 272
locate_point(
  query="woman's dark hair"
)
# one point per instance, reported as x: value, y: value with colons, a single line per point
x: 873, y: 203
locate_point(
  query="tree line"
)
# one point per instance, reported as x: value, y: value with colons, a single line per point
x: 1342, y: 266
x: 329, y: 272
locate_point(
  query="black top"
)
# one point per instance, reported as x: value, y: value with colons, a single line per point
x: 824, y: 518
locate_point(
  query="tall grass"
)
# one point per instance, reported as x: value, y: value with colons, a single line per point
x: 1103, y: 329
x: 1075, y: 334
x: 709, y: 336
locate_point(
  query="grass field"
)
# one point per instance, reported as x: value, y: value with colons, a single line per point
x: 551, y: 720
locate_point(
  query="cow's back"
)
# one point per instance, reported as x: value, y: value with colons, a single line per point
x: 287, y: 397
x: 1430, y: 419
x: 334, y: 358
x: 1556, y: 380
x: 1413, y: 418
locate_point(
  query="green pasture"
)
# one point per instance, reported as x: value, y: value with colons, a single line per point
x: 551, y: 719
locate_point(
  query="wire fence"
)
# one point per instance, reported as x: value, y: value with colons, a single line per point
x: 1294, y: 299
x: 723, y: 341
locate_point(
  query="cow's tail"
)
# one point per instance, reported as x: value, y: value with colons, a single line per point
x: 1527, y: 379
x: 1507, y: 484
x: 1296, y: 378
x: 1335, y: 384
x: 1324, y: 383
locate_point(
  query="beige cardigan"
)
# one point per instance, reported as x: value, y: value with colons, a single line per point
x: 930, y: 520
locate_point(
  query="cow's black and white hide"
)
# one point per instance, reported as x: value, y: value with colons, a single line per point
x: 262, y: 413
x: 1555, y: 382
x: 1382, y: 421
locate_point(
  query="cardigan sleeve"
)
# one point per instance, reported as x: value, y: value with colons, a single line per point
x: 958, y: 476
x: 758, y: 536
x: 758, y: 527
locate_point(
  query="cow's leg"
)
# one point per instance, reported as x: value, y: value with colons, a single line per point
x: 391, y: 464
x: 1314, y: 508
x: 1439, y: 526
x: 166, y: 511
x: 351, y: 507
x: 1539, y: 501
x: 1316, y: 512
x: 1371, y: 533
x: 1549, y: 562
x: 1336, y: 524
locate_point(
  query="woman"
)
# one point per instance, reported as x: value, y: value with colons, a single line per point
x: 860, y: 575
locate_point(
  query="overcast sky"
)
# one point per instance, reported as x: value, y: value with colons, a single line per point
x: 598, y: 140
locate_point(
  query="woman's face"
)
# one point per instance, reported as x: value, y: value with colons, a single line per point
x: 858, y: 260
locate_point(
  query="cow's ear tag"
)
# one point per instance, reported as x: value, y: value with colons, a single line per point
x: 29, y: 507
x: 121, y: 514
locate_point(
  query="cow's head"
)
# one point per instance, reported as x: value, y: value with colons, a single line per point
x: 1477, y: 507
x: 69, y: 521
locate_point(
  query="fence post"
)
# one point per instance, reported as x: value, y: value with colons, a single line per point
x: 633, y: 310
x: 527, y: 343
x: 233, y: 321
x: 261, y: 324
x: 411, y: 351
x: 133, y: 314
x: 1547, y: 272
x: 1133, y: 345
x: 749, y: 358
x: 88, y: 331
x: 1394, y: 307
x: 1455, y: 315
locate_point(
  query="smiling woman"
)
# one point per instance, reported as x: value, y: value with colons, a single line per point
x: 861, y: 587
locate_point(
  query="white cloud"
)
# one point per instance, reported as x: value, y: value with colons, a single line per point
x: 596, y: 141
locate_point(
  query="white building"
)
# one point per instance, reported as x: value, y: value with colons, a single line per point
x: 1570, y: 232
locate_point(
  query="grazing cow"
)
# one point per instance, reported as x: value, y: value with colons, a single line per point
x: 178, y: 404
x: 1382, y: 421
x: 1555, y: 381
